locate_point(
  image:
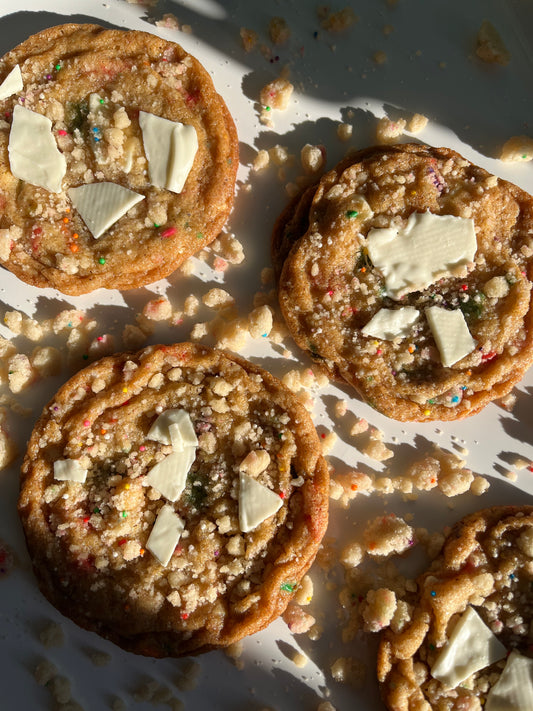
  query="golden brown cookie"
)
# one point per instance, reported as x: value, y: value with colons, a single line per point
x: 204, y: 444
x: 125, y: 108
x: 406, y: 272
x: 467, y: 630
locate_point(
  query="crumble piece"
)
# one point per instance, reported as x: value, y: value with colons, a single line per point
x: 344, y: 131
x: 248, y: 39
x: 276, y: 94
x: 387, y: 535
x: 417, y: 123
x: 517, y: 148
x: 388, y: 131
x: 337, y: 21
x: 158, y: 309
x: 490, y: 46
x: 217, y: 299
x: 312, y: 158
x: 278, y: 30
x: 378, y: 609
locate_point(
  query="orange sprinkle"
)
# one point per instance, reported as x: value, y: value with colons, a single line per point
x: 354, y: 487
x: 363, y: 269
x: 103, y: 432
x: 75, y: 235
x: 142, y: 551
x: 67, y: 209
x: 74, y: 247
x: 65, y: 220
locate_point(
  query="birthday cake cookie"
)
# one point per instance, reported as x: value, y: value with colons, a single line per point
x: 465, y: 643
x: 118, y: 158
x: 406, y: 272
x: 173, y: 499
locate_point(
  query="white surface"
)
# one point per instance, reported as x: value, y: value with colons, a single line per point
x: 473, y: 108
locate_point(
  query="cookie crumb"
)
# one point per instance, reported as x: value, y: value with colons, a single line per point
x: 490, y: 45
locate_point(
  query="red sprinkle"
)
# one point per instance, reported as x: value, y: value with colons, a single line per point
x: 62, y: 132
x: 281, y: 494
x: 122, y: 541
x: 169, y: 232
x: 489, y: 356
x: 184, y: 615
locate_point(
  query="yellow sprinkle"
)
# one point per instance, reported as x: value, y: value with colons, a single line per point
x: 124, y: 390
x: 426, y: 412
x: 126, y: 486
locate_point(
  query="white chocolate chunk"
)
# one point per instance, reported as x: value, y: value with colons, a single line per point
x: 170, y: 147
x: 181, y: 431
x: 165, y: 534
x: 12, y: 84
x: 256, y: 503
x: 184, y: 433
x: 169, y: 476
x: 69, y: 470
x: 426, y: 250
x: 33, y: 153
x: 102, y: 204
x: 388, y: 324
x: 471, y: 647
x: 451, y: 334
x: 514, y: 689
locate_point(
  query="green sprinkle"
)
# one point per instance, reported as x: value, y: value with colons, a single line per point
x: 101, y: 260
x: 288, y: 587
x: 156, y: 225
x: 96, y: 510
x: 124, y: 514
x: 524, y: 157
x: 199, y: 235
x: 58, y: 67
x: 85, y: 356
x: 352, y: 213
x: 431, y: 402
x: 102, y: 101
x: 267, y: 108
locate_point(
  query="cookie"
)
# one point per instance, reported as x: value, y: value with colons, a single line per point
x: 117, y: 158
x: 172, y: 499
x: 466, y: 637
x: 406, y: 273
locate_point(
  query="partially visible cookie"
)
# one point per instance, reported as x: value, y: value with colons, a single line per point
x: 88, y: 107
x: 406, y: 272
x: 468, y: 631
x: 173, y: 499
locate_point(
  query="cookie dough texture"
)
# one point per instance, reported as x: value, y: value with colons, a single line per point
x: 91, y: 83
x: 88, y: 540
x: 329, y: 289
x: 486, y: 562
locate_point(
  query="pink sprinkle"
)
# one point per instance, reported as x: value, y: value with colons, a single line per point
x: 100, y: 338
x: 86, y: 423
x: 330, y: 292
x: 62, y: 132
x: 142, y: 448
x: 168, y: 232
